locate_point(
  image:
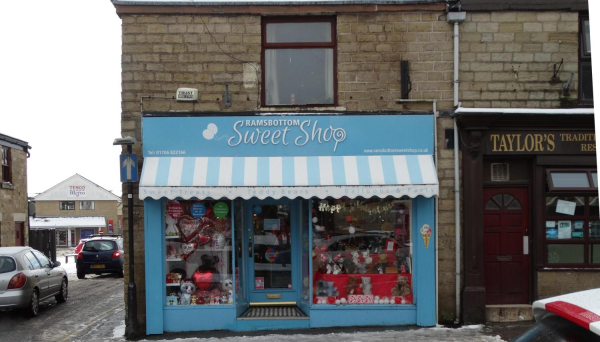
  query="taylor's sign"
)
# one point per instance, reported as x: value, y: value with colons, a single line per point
x: 547, y: 142
x: 306, y: 135
x: 77, y: 191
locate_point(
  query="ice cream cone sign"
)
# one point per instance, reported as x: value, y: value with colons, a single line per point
x: 426, y: 234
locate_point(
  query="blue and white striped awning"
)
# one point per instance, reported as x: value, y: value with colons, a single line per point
x: 291, y: 177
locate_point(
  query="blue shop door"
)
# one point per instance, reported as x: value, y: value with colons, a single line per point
x: 272, y: 241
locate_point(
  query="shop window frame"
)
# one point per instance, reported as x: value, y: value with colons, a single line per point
x: 585, y: 58
x: 410, y: 208
x: 589, y: 172
x: 586, y: 241
x: 321, y: 45
x: 6, y: 162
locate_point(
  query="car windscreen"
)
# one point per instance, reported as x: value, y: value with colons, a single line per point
x: 7, y: 264
x: 99, y: 245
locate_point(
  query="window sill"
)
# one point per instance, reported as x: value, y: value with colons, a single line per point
x: 568, y: 269
x: 9, y: 186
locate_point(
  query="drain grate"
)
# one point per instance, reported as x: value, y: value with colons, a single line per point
x: 273, y: 312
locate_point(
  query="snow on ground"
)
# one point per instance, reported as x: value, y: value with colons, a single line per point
x: 119, y: 332
x: 71, y: 266
x: 466, y: 334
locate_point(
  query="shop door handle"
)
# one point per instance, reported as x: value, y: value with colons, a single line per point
x: 249, y: 249
x: 504, y: 258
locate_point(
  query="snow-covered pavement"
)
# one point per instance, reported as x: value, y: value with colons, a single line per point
x: 468, y: 334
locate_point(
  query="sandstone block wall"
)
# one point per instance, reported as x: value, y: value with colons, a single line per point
x: 161, y: 53
x: 13, y: 201
x: 507, y: 59
x: 555, y: 283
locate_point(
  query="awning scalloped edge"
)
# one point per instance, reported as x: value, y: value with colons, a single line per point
x: 396, y: 191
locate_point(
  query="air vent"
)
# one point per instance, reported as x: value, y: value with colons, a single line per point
x: 499, y: 172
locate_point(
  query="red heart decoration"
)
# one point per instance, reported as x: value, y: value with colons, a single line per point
x: 398, y: 300
x: 204, y: 280
x: 188, y: 227
x: 188, y: 249
x: 203, y: 239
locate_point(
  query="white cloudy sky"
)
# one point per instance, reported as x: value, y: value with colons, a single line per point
x: 60, y: 88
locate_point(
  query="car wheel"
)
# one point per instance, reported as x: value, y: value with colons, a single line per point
x: 80, y: 275
x: 64, y: 292
x: 120, y: 274
x: 34, y: 304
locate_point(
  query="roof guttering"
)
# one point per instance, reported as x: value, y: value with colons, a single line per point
x: 270, y: 2
x: 14, y: 142
x: 268, y: 7
x: 526, y: 111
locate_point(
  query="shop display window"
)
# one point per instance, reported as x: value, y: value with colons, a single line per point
x: 198, y: 253
x: 572, y: 226
x: 362, y: 251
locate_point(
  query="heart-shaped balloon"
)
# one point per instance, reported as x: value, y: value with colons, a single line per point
x: 188, y: 249
x: 204, y: 280
x: 188, y: 227
x: 203, y: 239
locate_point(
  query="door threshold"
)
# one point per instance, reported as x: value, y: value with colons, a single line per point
x: 273, y: 312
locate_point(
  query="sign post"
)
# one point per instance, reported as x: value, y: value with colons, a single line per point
x: 129, y: 174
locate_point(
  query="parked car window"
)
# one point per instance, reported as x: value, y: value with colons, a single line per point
x: 96, y: 246
x: 43, y: 260
x: 31, y: 261
x: 120, y: 243
x: 7, y: 264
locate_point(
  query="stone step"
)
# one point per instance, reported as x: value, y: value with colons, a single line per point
x: 508, y: 313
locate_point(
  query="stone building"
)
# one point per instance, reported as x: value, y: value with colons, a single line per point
x: 527, y: 127
x: 13, y: 192
x: 521, y: 68
x: 221, y: 51
x: 76, y: 208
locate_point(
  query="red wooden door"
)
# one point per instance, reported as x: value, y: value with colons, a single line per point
x: 19, y: 232
x: 506, y: 251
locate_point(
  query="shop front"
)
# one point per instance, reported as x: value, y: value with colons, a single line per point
x: 265, y: 221
x: 532, y: 227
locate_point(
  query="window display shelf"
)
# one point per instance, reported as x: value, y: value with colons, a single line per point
x: 173, y: 284
x: 171, y: 237
x: 174, y: 259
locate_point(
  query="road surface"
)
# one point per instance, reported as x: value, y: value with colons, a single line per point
x: 94, y: 308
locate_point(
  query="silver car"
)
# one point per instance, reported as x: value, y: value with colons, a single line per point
x: 28, y: 277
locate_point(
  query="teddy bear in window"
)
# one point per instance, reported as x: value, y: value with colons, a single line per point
x: 187, y: 288
x: 401, y: 288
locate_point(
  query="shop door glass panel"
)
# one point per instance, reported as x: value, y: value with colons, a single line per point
x: 272, y: 248
x: 272, y: 268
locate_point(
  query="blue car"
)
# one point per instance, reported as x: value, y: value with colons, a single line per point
x: 101, y: 254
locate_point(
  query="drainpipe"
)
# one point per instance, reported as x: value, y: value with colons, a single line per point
x: 456, y: 18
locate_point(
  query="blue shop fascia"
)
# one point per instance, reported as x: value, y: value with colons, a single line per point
x: 263, y: 221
